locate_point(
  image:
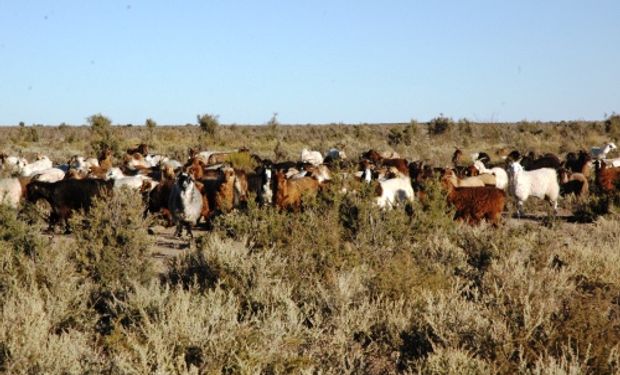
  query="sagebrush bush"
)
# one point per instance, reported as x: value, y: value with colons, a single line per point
x: 112, y: 246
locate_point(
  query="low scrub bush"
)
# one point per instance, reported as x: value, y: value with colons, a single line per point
x: 112, y: 244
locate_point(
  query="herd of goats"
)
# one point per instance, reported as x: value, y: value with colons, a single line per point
x: 207, y: 185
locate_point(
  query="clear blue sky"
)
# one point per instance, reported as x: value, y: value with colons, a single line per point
x: 310, y: 61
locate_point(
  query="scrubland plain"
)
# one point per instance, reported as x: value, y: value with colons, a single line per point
x: 340, y: 287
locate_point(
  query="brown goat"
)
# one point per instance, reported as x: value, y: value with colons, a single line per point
x: 75, y: 174
x: 476, y: 203
x: 105, y: 159
x: 607, y: 179
x: 195, y: 166
x: 225, y: 195
x: 401, y: 164
x: 142, y: 149
x: 206, y: 211
x: 573, y: 183
x: 289, y: 193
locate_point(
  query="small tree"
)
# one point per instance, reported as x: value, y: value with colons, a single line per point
x: 440, y: 125
x: 208, y: 123
x: 272, y: 125
x: 101, y: 133
x: 150, y: 126
x: 612, y: 125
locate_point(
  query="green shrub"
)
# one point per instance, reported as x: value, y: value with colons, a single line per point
x: 102, y: 135
x: 440, y: 125
x: 208, y: 123
x: 112, y: 244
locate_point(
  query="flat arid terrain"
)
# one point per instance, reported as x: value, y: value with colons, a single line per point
x: 322, y: 279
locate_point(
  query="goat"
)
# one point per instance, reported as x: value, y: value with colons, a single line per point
x: 80, y: 163
x: 133, y: 182
x: 142, y: 149
x: 573, y: 183
x: 615, y: 162
x: 159, y: 198
x: 311, y: 157
x: 501, y: 177
x: 75, y: 174
x: 40, y: 164
x: 460, y: 170
x: 67, y: 196
x: 225, y: 194
x: 401, y: 164
x: 481, y: 156
x: 10, y: 192
x: 473, y: 204
x: 205, y: 213
x: 260, y: 182
x: 463, y: 182
x: 393, y: 191
x: 579, y: 163
x: 502, y: 153
x: 607, y: 179
x: 49, y: 175
x: 320, y: 172
x: 155, y: 160
x: 13, y: 164
x: 185, y: 204
x: 105, y: 159
x: 135, y: 162
x: 334, y: 154
x: 265, y: 187
x: 530, y: 162
x: 541, y: 183
x: 601, y: 152
x: 289, y: 193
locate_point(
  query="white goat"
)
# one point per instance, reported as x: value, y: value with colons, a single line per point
x: 335, y: 154
x: 82, y: 164
x: 136, y: 162
x: 185, y: 204
x: 601, y: 152
x: 120, y: 179
x: 541, y: 183
x: 41, y: 164
x: 10, y: 191
x: 13, y: 164
x: 266, y: 192
x: 174, y: 164
x: 155, y: 160
x: 501, y: 177
x: 615, y: 162
x: 49, y: 175
x: 395, y: 191
x: 321, y: 173
x: 312, y: 157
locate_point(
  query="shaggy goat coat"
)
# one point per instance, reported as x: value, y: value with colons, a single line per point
x: 185, y: 203
x: 289, y: 193
x: 540, y: 183
x: 607, y: 179
x: 10, y: 191
x: 476, y: 203
x: 501, y: 177
x: 394, y: 191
